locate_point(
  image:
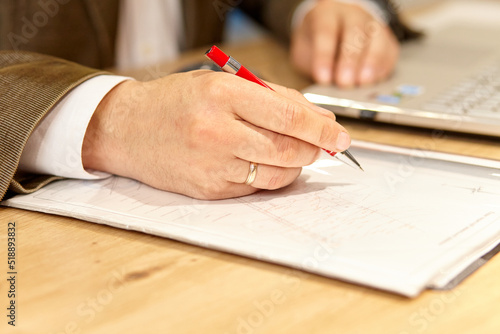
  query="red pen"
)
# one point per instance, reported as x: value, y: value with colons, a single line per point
x: 230, y: 65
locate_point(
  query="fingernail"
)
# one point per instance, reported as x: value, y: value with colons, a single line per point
x: 367, y: 75
x: 347, y: 77
x: 343, y: 141
x: 324, y: 75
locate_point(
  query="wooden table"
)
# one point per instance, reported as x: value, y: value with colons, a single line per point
x: 79, y: 277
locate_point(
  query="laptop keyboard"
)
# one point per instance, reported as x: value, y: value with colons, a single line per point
x: 475, y: 96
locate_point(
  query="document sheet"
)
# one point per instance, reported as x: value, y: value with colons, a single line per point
x: 414, y: 219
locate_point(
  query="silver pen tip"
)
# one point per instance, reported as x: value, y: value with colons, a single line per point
x: 351, y: 157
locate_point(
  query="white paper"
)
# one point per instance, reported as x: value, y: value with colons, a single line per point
x: 410, y: 221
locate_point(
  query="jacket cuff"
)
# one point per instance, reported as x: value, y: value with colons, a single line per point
x: 30, y: 85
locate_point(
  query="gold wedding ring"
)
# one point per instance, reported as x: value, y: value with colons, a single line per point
x: 252, y: 173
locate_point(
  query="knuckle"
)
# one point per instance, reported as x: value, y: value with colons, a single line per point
x: 292, y: 116
x: 326, y: 134
x: 217, y: 86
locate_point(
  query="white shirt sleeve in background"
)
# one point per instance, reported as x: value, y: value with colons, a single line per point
x: 55, y: 146
x: 149, y: 32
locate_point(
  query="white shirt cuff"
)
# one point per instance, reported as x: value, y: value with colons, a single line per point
x: 307, y: 5
x: 55, y: 146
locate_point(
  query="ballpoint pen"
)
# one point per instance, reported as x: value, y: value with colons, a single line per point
x: 230, y: 65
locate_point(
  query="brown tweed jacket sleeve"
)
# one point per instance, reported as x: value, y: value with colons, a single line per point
x: 30, y: 85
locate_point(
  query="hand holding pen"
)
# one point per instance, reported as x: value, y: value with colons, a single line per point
x: 208, y: 135
x: 230, y: 65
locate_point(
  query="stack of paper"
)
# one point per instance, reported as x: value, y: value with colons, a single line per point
x: 413, y: 220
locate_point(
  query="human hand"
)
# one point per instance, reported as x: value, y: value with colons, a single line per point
x: 195, y: 133
x: 343, y: 44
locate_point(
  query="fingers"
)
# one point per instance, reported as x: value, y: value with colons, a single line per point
x: 354, y: 42
x: 268, y: 147
x: 346, y: 68
x: 195, y: 133
x: 368, y: 54
x: 299, y: 97
x: 314, y: 42
x: 287, y: 117
x: 324, y: 47
x: 380, y: 57
x: 343, y: 44
x: 267, y: 177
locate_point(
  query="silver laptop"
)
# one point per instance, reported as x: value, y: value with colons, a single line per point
x: 449, y: 80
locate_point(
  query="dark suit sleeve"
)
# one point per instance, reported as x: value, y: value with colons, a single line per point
x: 277, y: 16
x: 401, y: 30
x: 30, y: 85
x: 274, y: 14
